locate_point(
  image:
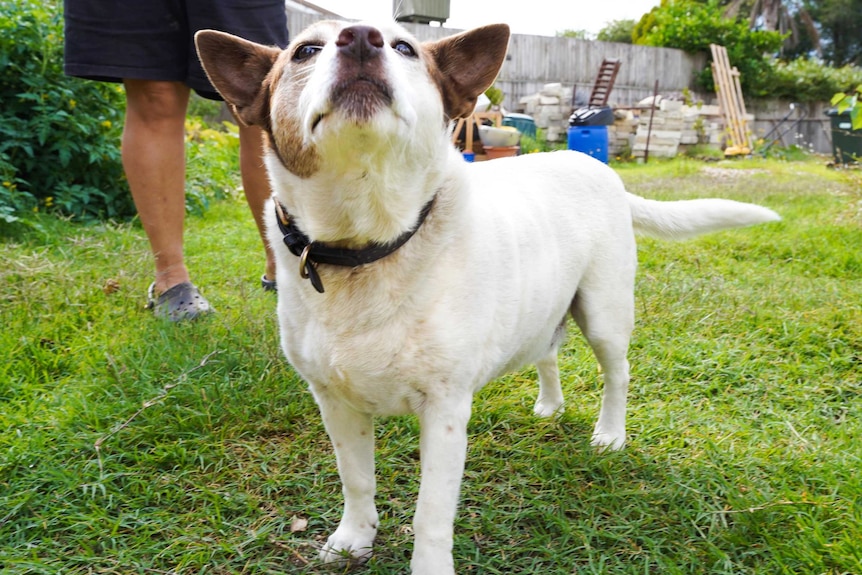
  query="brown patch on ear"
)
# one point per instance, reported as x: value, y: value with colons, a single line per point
x: 466, y: 65
x: 238, y: 69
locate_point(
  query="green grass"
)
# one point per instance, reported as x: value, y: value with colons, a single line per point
x: 744, y: 421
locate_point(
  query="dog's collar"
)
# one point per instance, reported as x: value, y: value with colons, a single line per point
x: 311, y: 253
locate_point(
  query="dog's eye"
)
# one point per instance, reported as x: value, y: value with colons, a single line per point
x: 404, y: 48
x: 305, y: 52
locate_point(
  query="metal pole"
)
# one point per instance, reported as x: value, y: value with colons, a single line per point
x: 649, y: 128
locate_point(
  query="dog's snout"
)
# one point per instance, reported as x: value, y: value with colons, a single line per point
x: 360, y: 42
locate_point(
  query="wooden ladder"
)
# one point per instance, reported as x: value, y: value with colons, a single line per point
x: 729, y: 91
x: 604, y: 82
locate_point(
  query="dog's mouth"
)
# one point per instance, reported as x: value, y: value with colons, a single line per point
x: 358, y: 99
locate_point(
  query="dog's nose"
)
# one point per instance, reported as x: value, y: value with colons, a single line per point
x: 360, y: 42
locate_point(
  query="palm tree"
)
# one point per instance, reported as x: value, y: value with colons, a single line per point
x: 776, y: 15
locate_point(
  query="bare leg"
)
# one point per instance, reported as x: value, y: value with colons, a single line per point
x: 256, y: 184
x: 154, y: 160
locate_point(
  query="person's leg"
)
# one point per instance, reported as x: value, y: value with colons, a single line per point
x: 154, y: 160
x: 256, y: 184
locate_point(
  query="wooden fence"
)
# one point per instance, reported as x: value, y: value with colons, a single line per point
x: 534, y: 61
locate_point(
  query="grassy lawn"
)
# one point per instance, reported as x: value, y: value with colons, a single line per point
x: 128, y: 445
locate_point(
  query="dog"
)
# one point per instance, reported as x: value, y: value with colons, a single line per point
x: 407, y: 277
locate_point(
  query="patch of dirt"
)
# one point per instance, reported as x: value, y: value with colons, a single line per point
x: 730, y: 173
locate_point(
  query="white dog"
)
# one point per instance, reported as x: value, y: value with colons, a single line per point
x: 408, y: 278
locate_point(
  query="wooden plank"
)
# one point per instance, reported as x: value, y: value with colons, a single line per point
x: 729, y: 92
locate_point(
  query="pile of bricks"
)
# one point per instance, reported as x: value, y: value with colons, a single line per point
x: 621, y: 134
x: 550, y: 109
x: 676, y: 127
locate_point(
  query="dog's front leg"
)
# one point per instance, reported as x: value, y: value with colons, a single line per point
x: 443, y: 449
x: 352, y: 436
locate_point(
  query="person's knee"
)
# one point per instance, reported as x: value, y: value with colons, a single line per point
x: 156, y: 101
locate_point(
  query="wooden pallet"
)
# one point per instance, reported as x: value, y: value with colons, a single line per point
x: 604, y: 82
x: 730, y: 101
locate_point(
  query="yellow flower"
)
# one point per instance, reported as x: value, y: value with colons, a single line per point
x: 7, y: 184
x: 72, y: 104
x: 49, y: 201
x: 106, y: 124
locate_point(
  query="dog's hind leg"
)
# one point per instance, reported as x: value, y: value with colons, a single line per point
x: 550, y: 400
x: 606, y: 318
x: 352, y: 435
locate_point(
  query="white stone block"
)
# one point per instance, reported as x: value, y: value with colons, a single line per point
x: 554, y: 89
x: 671, y: 105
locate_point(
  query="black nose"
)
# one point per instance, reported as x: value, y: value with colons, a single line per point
x: 360, y: 42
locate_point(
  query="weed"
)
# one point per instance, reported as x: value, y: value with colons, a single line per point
x: 744, y: 418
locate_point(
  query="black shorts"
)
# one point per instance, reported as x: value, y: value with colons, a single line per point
x: 154, y: 39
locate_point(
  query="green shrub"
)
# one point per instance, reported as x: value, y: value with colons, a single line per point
x: 804, y: 80
x: 59, y: 136
x: 617, y: 31
x: 851, y: 103
x: 212, y: 162
x: 693, y: 26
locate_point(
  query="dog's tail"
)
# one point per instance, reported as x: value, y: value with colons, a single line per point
x: 688, y: 218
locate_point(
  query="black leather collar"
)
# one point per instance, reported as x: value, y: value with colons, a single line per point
x: 311, y: 253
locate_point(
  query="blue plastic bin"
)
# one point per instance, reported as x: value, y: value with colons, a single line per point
x: 592, y: 140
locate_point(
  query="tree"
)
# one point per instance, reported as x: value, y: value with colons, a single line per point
x: 840, y: 24
x: 578, y: 34
x: 784, y: 16
x: 692, y: 26
x: 617, y: 31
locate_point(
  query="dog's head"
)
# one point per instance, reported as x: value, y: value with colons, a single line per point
x: 343, y: 84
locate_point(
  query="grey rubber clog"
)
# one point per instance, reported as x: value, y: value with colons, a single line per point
x: 181, y: 302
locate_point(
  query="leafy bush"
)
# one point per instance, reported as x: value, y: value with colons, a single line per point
x: 693, y: 26
x: 851, y: 103
x: 212, y: 163
x: 804, y: 80
x: 617, y: 31
x: 59, y: 136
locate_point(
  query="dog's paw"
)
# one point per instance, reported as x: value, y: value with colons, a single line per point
x: 608, y: 441
x: 429, y: 562
x: 348, y: 546
x: 545, y: 408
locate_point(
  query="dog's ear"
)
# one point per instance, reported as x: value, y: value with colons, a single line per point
x: 238, y: 69
x: 467, y: 64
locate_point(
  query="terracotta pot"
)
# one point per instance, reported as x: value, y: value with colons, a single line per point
x: 501, y: 151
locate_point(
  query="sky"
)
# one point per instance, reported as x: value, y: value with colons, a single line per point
x: 541, y: 17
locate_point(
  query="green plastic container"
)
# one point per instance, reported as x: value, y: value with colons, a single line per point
x: 846, y: 142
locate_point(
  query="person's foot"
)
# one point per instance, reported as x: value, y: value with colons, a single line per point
x: 181, y: 302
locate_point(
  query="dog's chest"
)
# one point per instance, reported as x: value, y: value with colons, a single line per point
x: 383, y: 372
